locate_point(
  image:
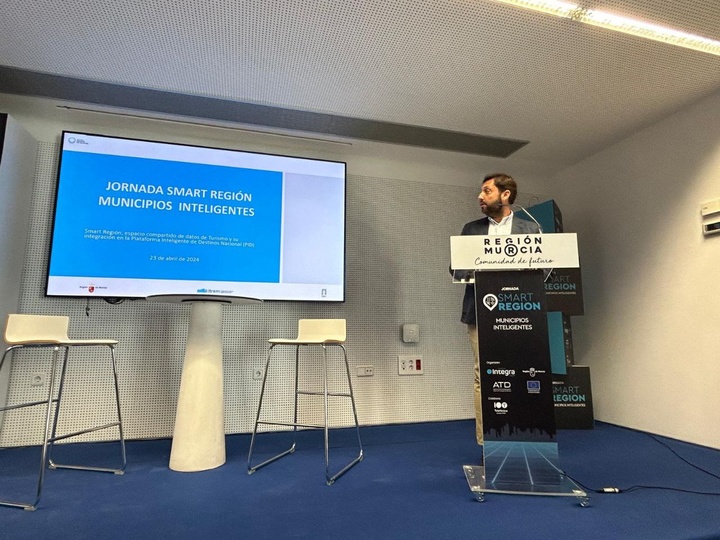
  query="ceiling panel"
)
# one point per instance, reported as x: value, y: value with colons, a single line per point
x: 475, y: 67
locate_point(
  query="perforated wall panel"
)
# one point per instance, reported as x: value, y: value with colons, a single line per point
x: 397, y: 272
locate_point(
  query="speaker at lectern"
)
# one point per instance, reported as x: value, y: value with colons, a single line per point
x: 520, y: 452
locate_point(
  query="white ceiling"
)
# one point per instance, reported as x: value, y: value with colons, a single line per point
x: 470, y: 66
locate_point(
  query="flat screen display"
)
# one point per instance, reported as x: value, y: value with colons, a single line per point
x: 135, y: 218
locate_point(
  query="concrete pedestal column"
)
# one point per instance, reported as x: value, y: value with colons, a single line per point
x: 199, y: 434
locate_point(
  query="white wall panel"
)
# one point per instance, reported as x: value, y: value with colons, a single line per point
x: 651, y: 282
x: 397, y: 272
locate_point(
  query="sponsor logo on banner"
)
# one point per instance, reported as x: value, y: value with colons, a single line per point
x: 515, y: 251
x: 490, y: 301
x: 532, y: 371
x: 569, y: 394
x: 517, y: 301
x: 502, y: 386
x: 533, y: 387
x: 561, y: 286
x: 500, y: 407
x: 514, y: 246
x: 511, y: 301
x: 503, y: 372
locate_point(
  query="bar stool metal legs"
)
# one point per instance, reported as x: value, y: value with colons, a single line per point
x: 326, y: 393
x: 51, y: 420
x: 54, y: 437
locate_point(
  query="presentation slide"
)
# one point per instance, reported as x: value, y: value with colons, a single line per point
x: 166, y: 220
x: 135, y: 218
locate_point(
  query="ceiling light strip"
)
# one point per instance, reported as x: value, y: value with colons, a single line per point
x: 618, y: 23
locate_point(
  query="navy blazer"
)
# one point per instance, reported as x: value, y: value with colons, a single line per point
x: 480, y: 226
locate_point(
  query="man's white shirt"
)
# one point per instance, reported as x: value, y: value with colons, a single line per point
x: 503, y: 227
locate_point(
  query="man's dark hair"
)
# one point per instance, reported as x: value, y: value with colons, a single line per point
x: 504, y: 182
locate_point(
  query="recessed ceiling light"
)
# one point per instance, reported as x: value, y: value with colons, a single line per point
x: 618, y: 23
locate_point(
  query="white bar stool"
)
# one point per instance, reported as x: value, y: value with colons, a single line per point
x: 51, y: 331
x: 311, y: 332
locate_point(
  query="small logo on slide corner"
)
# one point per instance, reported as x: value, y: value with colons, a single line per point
x: 73, y: 140
x: 216, y: 291
x: 91, y: 288
x: 490, y: 301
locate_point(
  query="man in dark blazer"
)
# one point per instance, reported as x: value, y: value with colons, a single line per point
x: 497, y: 194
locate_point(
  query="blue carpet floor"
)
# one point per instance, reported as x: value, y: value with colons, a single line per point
x: 410, y: 485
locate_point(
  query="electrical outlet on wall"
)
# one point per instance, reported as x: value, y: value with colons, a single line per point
x: 365, y: 371
x: 410, y: 365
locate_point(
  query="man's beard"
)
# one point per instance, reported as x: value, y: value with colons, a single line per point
x: 493, y: 210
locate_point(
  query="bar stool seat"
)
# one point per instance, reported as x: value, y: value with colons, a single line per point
x: 51, y: 331
x: 325, y: 333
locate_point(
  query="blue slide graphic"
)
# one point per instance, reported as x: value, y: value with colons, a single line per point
x: 128, y: 217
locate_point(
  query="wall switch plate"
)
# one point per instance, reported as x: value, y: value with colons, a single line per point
x: 410, y: 365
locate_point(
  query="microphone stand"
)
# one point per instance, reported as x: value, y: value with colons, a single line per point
x: 521, y: 207
x: 529, y: 215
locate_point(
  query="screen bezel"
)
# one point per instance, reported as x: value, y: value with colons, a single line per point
x: 188, y: 145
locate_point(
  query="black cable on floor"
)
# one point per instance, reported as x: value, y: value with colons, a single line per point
x: 607, y: 490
